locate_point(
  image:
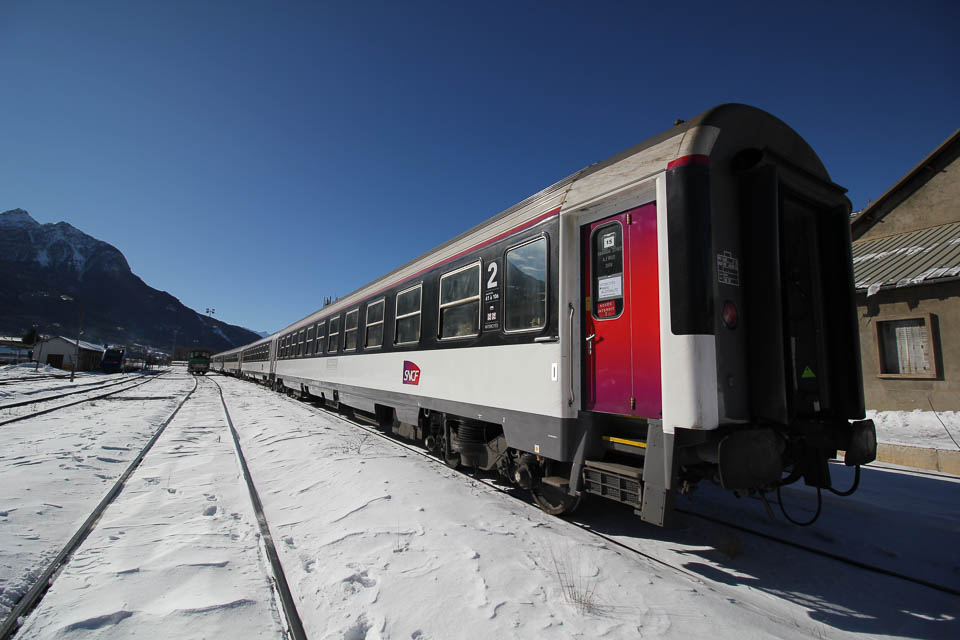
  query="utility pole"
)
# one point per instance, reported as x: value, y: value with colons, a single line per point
x: 37, y: 355
x: 76, y: 362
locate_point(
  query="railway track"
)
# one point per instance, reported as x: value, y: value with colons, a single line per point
x: 33, y: 596
x: 358, y: 421
x: 292, y: 626
x: 287, y: 604
x: 138, y: 382
x: 96, y: 384
x: 31, y: 378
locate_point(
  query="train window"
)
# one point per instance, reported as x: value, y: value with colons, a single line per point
x: 460, y: 302
x: 374, y: 325
x: 408, y: 316
x: 350, y: 330
x: 526, y: 275
x: 333, y: 341
x: 300, y: 342
x: 309, y: 348
x: 321, y: 329
x: 606, y: 266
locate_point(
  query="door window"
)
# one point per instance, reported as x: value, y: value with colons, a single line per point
x: 607, y: 270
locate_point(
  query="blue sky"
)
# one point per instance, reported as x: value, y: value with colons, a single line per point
x: 258, y: 156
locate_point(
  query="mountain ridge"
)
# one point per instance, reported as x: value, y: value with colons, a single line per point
x: 39, y: 263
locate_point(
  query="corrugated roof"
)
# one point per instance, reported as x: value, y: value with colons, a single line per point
x: 906, y: 259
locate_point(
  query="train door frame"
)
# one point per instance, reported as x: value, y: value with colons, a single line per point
x: 572, y: 302
x: 621, y: 327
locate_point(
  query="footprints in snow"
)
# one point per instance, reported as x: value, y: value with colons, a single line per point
x: 357, y: 581
x: 210, y: 509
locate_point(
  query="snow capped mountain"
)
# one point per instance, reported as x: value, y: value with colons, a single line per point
x: 58, y: 246
x: 40, y: 263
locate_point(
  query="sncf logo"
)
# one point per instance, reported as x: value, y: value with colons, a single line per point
x: 411, y: 373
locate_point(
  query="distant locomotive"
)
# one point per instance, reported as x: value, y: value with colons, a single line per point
x: 113, y: 360
x: 199, y: 362
x: 681, y: 311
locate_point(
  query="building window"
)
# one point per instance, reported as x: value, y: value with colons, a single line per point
x: 905, y: 345
x: 460, y: 302
x: 374, y: 325
x: 350, y: 330
x: 408, y: 316
x: 333, y: 340
x: 526, y: 304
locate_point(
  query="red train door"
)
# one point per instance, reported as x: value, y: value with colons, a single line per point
x: 622, y: 317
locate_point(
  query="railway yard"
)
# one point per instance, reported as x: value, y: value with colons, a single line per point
x: 364, y: 536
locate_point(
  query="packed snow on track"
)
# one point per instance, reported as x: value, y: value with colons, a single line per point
x: 177, y: 555
x: 55, y: 468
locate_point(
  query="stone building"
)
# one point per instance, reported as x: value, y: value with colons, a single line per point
x: 906, y: 261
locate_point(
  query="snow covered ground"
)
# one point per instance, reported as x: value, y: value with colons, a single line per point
x: 379, y: 542
x: 177, y: 554
x: 55, y: 468
x: 932, y: 430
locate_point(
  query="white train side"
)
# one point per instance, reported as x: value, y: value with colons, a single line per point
x: 683, y: 310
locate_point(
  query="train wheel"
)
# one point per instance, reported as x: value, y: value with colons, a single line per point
x: 554, y: 500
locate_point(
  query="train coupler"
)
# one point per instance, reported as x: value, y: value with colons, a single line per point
x: 750, y: 459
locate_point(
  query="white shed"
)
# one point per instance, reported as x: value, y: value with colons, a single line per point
x: 61, y: 352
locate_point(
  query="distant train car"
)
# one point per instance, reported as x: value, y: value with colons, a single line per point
x: 680, y: 312
x: 199, y: 362
x: 113, y: 360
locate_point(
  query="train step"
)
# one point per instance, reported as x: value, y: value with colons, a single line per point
x: 560, y: 482
x: 615, y: 481
x: 620, y: 444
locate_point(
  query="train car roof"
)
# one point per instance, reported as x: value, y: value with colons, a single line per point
x: 718, y: 133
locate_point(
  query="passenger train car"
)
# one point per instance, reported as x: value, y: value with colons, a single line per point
x: 679, y: 312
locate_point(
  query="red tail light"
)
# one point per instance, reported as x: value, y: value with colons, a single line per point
x: 729, y: 315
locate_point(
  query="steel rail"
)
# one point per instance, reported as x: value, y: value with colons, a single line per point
x: 22, y: 403
x: 31, y: 378
x: 287, y: 604
x: 32, y: 598
x: 71, y: 404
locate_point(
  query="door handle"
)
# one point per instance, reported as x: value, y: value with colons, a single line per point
x: 589, y: 341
